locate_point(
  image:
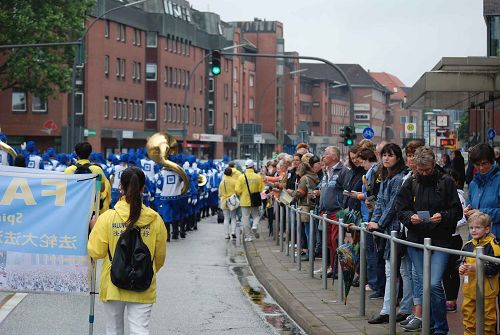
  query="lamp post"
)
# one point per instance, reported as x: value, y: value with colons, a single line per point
x: 188, y: 87
x: 80, y: 43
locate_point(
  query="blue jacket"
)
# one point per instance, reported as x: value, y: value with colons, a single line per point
x: 484, y: 194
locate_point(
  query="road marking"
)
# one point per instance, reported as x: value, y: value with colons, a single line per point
x: 9, y: 302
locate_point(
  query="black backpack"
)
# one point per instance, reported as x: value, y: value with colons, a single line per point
x: 83, y: 169
x: 131, y: 266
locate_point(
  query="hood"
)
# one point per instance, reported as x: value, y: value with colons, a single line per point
x: 482, y: 179
x: 122, y: 208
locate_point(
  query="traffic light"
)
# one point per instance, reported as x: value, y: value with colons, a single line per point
x: 447, y: 142
x: 348, y: 133
x: 215, y: 66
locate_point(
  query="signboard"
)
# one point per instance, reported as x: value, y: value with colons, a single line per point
x: 362, y: 107
x: 368, y: 133
x: 410, y: 128
x: 257, y: 138
x: 89, y: 132
x: 491, y: 134
x: 211, y: 138
x: 127, y: 134
x: 442, y: 121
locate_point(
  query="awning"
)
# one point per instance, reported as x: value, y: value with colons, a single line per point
x: 456, y: 82
x: 291, y: 139
x: 269, y: 138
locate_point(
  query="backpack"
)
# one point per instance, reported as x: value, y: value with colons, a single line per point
x: 83, y: 169
x: 131, y: 265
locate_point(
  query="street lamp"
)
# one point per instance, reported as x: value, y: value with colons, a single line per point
x: 80, y: 42
x: 429, y: 115
x: 188, y: 87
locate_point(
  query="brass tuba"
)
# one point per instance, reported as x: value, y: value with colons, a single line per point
x: 8, y: 149
x: 202, y: 180
x: 159, y: 146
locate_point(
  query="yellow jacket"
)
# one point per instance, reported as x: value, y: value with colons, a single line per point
x: 105, y: 196
x: 227, y: 187
x: 255, y: 183
x: 105, y: 235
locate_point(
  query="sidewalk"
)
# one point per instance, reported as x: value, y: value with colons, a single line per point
x: 316, y: 310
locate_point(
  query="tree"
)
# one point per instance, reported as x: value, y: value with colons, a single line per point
x: 43, y: 71
x: 463, y: 129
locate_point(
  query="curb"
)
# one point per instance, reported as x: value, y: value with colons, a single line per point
x: 293, y: 307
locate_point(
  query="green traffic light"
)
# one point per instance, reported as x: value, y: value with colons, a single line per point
x: 215, y: 70
x: 350, y: 142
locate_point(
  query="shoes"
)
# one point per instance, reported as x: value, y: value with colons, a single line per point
x: 248, y: 239
x: 255, y: 232
x: 382, y: 318
x: 368, y: 288
x: 401, y: 317
x: 319, y: 271
x: 304, y: 257
x: 183, y: 235
x: 375, y: 296
x: 227, y: 237
x: 414, y: 325
x: 318, y: 255
x: 175, y: 237
x: 233, y: 236
x: 407, y: 320
x: 451, y: 307
x: 330, y: 275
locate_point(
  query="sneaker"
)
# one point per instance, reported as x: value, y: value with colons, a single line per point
x: 320, y: 270
x: 255, y: 232
x: 414, y: 325
x: 400, y: 317
x: 375, y: 296
x: 451, y: 307
x: 227, y: 237
x: 368, y: 288
x: 233, y: 236
x: 407, y: 320
x: 248, y: 239
x: 382, y: 318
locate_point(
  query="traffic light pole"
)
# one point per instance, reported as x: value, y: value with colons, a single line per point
x: 335, y: 67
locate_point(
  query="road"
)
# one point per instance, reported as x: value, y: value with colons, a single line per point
x: 205, y: 287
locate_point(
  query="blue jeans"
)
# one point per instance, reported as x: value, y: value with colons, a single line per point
x: 305, y: 227
x: 371, y: 263
x: 439, y: 324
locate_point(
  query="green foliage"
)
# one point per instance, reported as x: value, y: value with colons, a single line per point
x: 463, y: 130
x: 42, y: 71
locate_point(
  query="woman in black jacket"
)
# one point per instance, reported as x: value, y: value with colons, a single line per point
x: 429, y: 207
x: 458, y: 165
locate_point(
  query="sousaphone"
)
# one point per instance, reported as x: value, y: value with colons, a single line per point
x: 159, y: 146
x: 8, y: 149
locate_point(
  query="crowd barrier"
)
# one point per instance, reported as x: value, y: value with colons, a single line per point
x: 287, y: 233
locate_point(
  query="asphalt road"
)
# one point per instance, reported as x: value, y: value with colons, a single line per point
x: 205, y: 287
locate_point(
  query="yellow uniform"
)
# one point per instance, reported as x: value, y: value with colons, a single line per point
x: 105, y: 235
x: 227, y: 187
x: 255, y: 184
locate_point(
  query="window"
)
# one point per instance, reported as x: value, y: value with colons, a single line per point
x: 188, y: 48
x: 174, y: 113
x: 235, y: 99
x: 134, y: 68
x: 188, y: 75
x: 138, y: 72
x: 150, y: 111
x: 251, y: 103
x: 79, y: 103
x: 186, y: 118
x: 169, y: 43
x: 151, y: 39
x: 235, y: 74
x: 169, y: 113
x: 136, y: 107
x: 106, y: 28
x: 194, y: 116
x: 181, y: 117
x: 105, y: 111
x: 210, y: 117
x: 402, y: 119
x: 121, y: 32
x: 115, y: 108
x: 170, y: 76
x: 150, y: 72
x: 38, y: 105
x: 120, y: 110
x: 125, y: 105
x: 178, y: 114
x: 174, y: 79
x: 251, y: 80
x: 122, y: 69
x: 225, y: 120
x: 140, y: 110
x: 211, y: 84
x: 118, y: 64
x: 165, y: 112
x: 137, y: 37
x: 130, y: 110
x: 201, y: 84
x: 106, y: 66
x: 201, y: 117
x: 166, y: 75
x: 226, y: 91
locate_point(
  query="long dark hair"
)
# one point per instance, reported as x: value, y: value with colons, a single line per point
x: 392, y: 149
x: 132, y: 181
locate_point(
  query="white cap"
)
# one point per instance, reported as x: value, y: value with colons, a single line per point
x: 249, y: 163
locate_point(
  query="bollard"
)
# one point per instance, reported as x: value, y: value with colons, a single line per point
x: 393, y: 284
x: 287, y: 230
x: 339, y: 268
x: 282, y: 227
x: 324, y: 252
x: 299, y: 240
x: 293, y: 216
x: 310, y: 247
x: 479, y: 291
x: 362, y: 270
x: 426, y: 296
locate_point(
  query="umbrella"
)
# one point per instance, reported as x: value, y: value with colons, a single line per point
x: 347, y: 258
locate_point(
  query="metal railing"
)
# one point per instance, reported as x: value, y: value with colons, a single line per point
x: 288, y: 225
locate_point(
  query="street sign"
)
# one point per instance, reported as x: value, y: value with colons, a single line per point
x: 257, y: 138
x: 410, y: 128
x: 89, y: 132
x: 491, y: 134
x: 368, y: 133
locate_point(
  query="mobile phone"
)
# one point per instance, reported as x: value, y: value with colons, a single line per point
x: 424, y: 215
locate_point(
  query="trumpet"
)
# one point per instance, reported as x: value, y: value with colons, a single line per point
x: 159, y: 146
x: 8, y: 149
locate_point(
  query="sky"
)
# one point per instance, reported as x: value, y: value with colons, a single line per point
x: 403, y: 37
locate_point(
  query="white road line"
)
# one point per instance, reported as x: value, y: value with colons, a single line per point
x: 10, y: 305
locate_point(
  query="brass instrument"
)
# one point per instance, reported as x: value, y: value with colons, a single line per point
x: 8, y: 149
x: 202, y: 180
x: 159, y: 146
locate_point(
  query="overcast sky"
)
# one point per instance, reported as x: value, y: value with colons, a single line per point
x: 402, y: 37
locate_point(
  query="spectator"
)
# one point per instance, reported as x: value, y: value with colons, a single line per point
x: 302, y: 148
x: 351, y: 181
x: 445, y: 162
x: 480, y: 231
x: 458, y: 165
x: 497, y: 155
x: 103, y: 240
x: 429, y: 207
x: 484, y: 189
x: 227, y: 189
x: 385, y: 219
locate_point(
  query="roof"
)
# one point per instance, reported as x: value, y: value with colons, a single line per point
x: 390, y: 82
x: 354, y: 72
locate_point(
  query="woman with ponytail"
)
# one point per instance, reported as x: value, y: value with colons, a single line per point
x: 128, y: 213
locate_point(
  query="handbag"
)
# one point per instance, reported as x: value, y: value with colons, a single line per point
x: 233, y: 201
x: 255, y: 199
